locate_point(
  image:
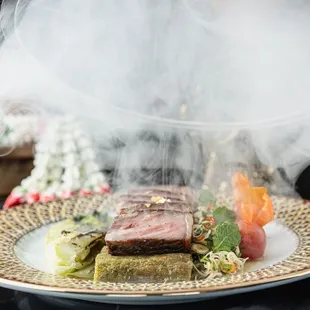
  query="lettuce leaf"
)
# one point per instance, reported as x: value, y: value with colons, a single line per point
x: 226, y: 237
x: 71, y: 245
x: 222, y: 214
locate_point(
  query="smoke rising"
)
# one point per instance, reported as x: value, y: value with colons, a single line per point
x: 236, y: 65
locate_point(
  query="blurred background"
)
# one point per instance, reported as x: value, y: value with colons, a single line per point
x: 143, y: 155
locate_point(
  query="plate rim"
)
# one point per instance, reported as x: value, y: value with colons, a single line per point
x: 166, y: 293
x: 71, y: 207
x: 161, y: 299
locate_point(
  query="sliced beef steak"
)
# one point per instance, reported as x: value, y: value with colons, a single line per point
x: 172, y: 192
x: 147, y: 205
x: 150, y: 207
x: 158, y: 198
x: 148, y: 197
x: 149, y: 233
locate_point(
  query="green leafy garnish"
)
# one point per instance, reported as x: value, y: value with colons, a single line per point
x: 206, y: 197
x: 222, y: 214
x: 225, y: 267
x: 226, y: 237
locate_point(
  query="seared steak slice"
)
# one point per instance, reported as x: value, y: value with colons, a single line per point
x: 158, y: 198
x: 146, y: 233
x: 129, y: 207
x: 176, y: 192
x: 147, y: 196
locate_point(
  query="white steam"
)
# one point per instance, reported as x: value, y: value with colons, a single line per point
x: 235, y: 64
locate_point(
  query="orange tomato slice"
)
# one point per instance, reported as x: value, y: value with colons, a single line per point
x: 240, y: 180
x: 247, y: 212
x: 266, y: 213
x: 253, y: 204
x: 241, y: 186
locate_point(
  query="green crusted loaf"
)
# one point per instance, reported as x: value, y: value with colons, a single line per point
x: 154, y: 268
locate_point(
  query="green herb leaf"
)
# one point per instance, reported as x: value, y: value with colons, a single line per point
x: 226, y: 267
x: 222, y: 214
x: 226, y: 237
x: 206, y: 197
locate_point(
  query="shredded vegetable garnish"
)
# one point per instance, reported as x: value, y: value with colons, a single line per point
x: 215, y: 264
x: 216, y: 240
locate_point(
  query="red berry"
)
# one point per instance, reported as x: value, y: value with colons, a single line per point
x: 84, y: 192
x: 105, y: 189
x: 32, y: 198
x: 47, y: 197
x: 67, y: 194
x: 12, y: 201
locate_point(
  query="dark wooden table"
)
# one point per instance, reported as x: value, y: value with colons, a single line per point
x: 15, y: 165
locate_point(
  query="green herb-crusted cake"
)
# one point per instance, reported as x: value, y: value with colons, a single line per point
x: 164, y: 267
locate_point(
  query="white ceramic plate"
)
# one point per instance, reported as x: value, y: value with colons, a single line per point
x: 23, y: 266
